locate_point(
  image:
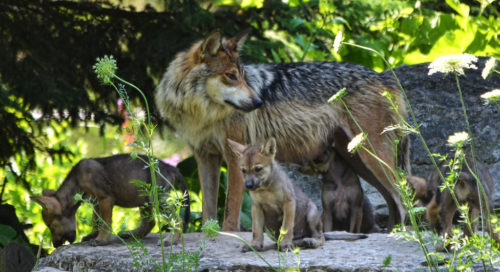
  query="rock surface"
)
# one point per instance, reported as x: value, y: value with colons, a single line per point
x: 223, y: 253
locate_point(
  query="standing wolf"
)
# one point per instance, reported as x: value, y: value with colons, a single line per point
x: 206, y: 95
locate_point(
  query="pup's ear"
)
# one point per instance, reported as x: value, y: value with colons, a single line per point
x: 419, y: 186
x: 236, y: 147
x: 48, y: 203
x: 237, y: 42
x: 211, y: 44
x: 269, y: 149
x: 466, y: 177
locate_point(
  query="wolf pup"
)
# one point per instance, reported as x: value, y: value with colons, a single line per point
x: 207, y: 95
x: 107, y: 180
x: 345, y: 207
x: 440, y: 205
x: 276, y: 202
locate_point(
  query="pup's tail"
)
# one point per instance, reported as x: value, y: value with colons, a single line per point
x: 342, y: 235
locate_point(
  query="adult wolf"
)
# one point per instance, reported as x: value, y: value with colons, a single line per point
x: 206, y: 95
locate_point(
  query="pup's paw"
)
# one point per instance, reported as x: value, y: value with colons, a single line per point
x: 89, y: 237
x: 167, y: 241
x: 95, y: 242
x: 309, y: 243
x: 285, y: 246
x: 126, y: 234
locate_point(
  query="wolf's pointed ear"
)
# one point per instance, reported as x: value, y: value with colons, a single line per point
x: 48, y: 203
x: 211, y: 44
x: 419, y: 186
x: 237, y: 42
x: 236, y: 147
x: 269, y: 148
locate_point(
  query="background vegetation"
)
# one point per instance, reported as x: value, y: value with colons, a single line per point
x: 55, y: 112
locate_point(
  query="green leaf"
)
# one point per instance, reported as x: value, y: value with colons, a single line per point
x: 276, y: 57
x: 252, y: 3
x: 295, y: 22
x: 460, y: 8
x: 7, y: 234
x: 387, y: 260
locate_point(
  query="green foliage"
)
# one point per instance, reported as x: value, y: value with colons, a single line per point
x: 7, y: 234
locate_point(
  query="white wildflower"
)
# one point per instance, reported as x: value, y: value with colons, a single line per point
x: 452, y: 63
x: 491, y: 96
x: 458, y: 139
x: 339, y: 38
x: 356, y: 142
x: 489, y: 67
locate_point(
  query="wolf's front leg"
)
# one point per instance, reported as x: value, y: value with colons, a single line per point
x: 234, y: 196
x: 105, y: 212
x: 209, y: 173
x: 288, y: 224
x: 257, y: 229
x: 95, y: 225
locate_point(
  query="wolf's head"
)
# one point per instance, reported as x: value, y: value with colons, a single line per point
x: 60, y: 221
x: 215, y: 63
x: 255, y: 162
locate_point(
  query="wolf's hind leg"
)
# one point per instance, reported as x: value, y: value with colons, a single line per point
x: 314, y: 223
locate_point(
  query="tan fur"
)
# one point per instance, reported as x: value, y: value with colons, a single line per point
x: 206, y: 114
x: 276, y: 203
x: 107, y: 180
x: 419, y: 186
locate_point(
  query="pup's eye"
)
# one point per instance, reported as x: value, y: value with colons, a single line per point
x: 243, y: 170
x: 231, y: 76
x: 257, y: 169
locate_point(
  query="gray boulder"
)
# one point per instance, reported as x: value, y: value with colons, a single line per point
x: 437, y: 108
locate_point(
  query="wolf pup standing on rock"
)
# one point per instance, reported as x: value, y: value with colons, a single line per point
x: 207, y: 95
x: 441, y: 207
x: 345, y: 207
x: 276, y: 202
x: 107, y: 180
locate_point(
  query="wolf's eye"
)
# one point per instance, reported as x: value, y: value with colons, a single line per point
x: 257, y: 169
x: 231, y: 76
x: 243, y: 170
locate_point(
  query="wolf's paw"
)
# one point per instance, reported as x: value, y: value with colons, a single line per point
x: 258, y: 247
